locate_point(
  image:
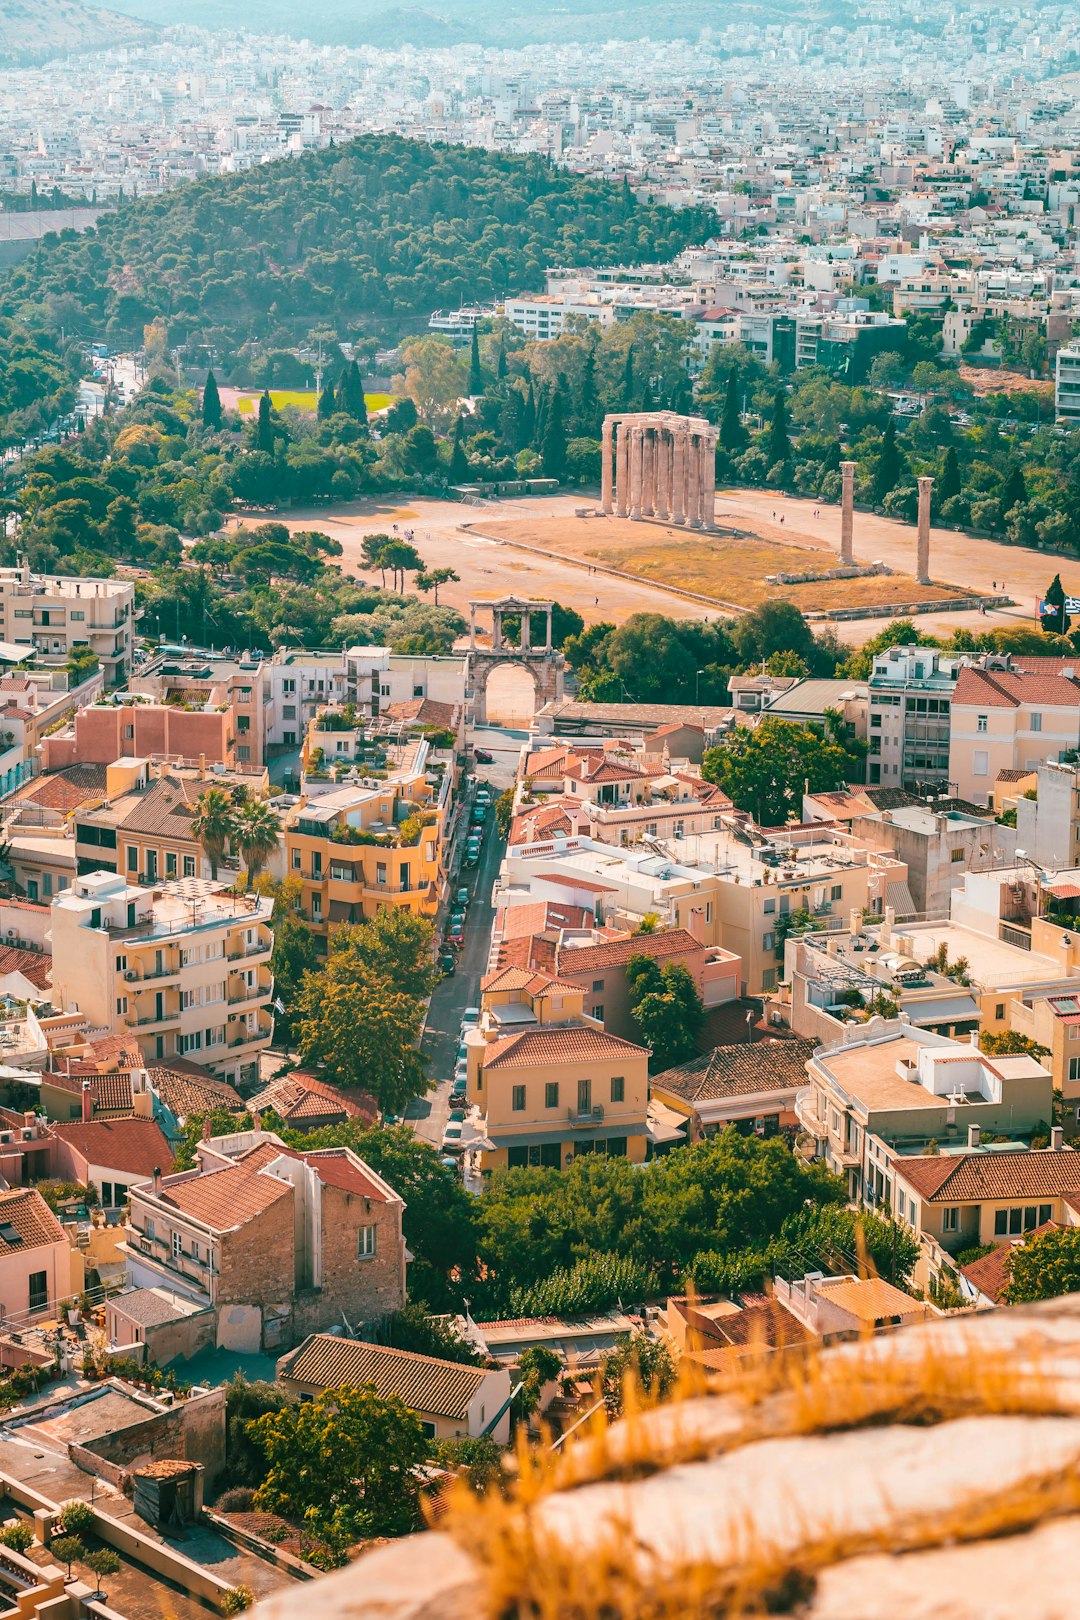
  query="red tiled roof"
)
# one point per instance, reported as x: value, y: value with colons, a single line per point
x: 574, y: 1043
x: 302, y: 1096
x: 534, y: 984
x: 617, y: 952
x: 67, y: 789
x: 225, y: 1198
x: 33, y: 965
x: 585, y: 884
x: 992, y: 1272
x: 538, y: 915
x: 968, y: 1178
x: 740, y: 1071
x: 134, y: 1147
x: 24, y: 1209
x: 1008, y: 689
x: 1012, y: 776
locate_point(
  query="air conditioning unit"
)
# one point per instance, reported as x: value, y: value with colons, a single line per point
x: 131, y: 976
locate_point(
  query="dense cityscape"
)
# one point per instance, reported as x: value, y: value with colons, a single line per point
x: 539, y: 811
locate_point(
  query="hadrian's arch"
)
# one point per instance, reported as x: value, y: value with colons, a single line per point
x: 540, y: 659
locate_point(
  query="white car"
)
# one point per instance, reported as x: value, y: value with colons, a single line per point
x: 470, y: 1018
x: 451, y: 1142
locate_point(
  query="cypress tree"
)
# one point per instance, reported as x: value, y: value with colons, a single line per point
x: 476, y: 375
x: 779, y: 443
x: 211, y: 403
x: 528, y: 417
x: 327, y: 402
x: 350, y: 395
x: 553, y: 453
x: 459, y: 461
x: 264, y: 428
x: 732, y: 433
x: 948, y: 484
x: 889, y: 464
x: 628, y: 380
x: 1013, y: 490
x: 588, y: 408
x: 1058, y: 621
x: 500, y: 369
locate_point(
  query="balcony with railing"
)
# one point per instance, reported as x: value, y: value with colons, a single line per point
x: 584, y: 1117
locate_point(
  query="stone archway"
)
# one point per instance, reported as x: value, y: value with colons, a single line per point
x: 543, y: 663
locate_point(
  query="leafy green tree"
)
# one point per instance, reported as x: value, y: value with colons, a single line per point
x: 779, y: 445
x: 1011, y: 1043
x: 764, y: 771
x: 429, y: 579
x: 346, y: 1463
x: 264, y: 428
x: 1044, y: 1266
x: 211, y: 403
x: 103, y: 1561
x: 245, y: 1401
x: 361, y: 1027
x: 295, y: 950
x: 414, y: 1328
x: 350, y: 395
x: 629, y: 393
x: 537, y: 1366
x: 667, y: 1009
x: 900, y: 633
x: 1058, y: 621
x: 1013, y: 489
x: 949, y: 483
x: 67, y: 1549
x: 646, y: 1363
x: 214, y: 824
x: 396, y: 943
x: 777, y: 626
x: 458, y: 469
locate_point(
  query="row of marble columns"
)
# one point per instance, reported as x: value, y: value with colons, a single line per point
x: 522, y: 610
x: 659, y: 469
x: 847, y: 522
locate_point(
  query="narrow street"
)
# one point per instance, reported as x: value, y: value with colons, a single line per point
x: 452, y: 995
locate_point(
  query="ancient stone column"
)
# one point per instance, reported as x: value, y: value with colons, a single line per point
x: 922, y: 556
x: 693, y: 481
x: 622, y: 470
x: 847, y: 511
x: 547, y: 632
x: 708, y: 506
x: 472, y: 624
x: 663, y: 474
x: 678, y: 475
x: 496, y: 630
x: 605, y: 466
x: 526, y: 631
x: 647, y: 450
x: 636, y: 437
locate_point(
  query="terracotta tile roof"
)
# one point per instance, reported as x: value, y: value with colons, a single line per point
x: 1008, y: 689
x: 425, y: 1384
x: 165, y: 807
x: 538, y: 822
x: 1012, y: 776
x: 536, y: 916
x: 33, y: 965
x: 296, y: 1097
x: 65, y: 790
x: 133, y: 1147
x: 970, y: 1178
x: 573, y: 1043
x: 586, y: 885
x: 424, y: 712
x: 1064, y: 891
x: 739, y: 1071
x: 534, y: 984
x: 187, y: 1093
x: 225, y: 1198
x: 671, y: 728
x: 871, y: 1299
x: 617, y: 952
x: 336, y: 1167
x: 24, y: 1209
x: 536, y: 952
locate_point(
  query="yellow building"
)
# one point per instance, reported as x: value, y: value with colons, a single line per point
x: 357, y: 849
x: 185, y: 970
x: 549, y: 1082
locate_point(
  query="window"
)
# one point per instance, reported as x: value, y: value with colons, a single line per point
x: 107, y: 1195
x: 296, y: 860
x: 189, y: 866
x: 598, y: 1012
x: 980, y: 762
x: 380, y: 873
x: 999, y: 1010
x: 1036, y: 722
x: 770, y: 907
x: 39, y: 1290
x: 584, y: 1096
x: 838, y: 891
x: 551, y: 1094
x: 148, y: 1231
x: 956, y: 854
x: 517, y: 1099
x: 768, y: 979
x: 121, y: 964
x: 170, y: 863
x: 1001, y: 1222
x: 121, y: 1006
x: 768, y: 941
x: 618, y: 1088
x: 132, y: 859
x: 950, y: 1220
x: 980, y: 723
x: 177, y: 1245
x: 598, y: 987
x: 366, y: 1242
x: 1074, y: 1068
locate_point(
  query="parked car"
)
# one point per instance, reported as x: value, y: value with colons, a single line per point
x: 457, y: 919
x: 458, y: 1094
x: 448, y: 1161
x: 451, y: 1142
x: 479, y: 814
x: 461, y: 899
x: 455, y: 934
x: 462, y: 1053
x: 447, y: 964
x: 472, y: 854
x: 469, y: 1017
x: 457, y: 1116
x: 482, y: 757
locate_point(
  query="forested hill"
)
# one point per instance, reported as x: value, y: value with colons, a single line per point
x: 380, y: 230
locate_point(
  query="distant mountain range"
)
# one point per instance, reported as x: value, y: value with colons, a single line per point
x: 35, y: 30
x: 488, y: 22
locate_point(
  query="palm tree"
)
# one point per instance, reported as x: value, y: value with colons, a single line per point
x: 257, y: 828
x: 214, y: 823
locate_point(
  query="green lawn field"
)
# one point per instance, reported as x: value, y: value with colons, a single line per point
x: 304, y: 400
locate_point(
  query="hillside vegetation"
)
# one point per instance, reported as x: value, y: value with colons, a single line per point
x: 381, y: 230
x: 36, y: 30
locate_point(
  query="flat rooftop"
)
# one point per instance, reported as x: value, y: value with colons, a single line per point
x: 991, y: 962
x: 868, y: 1073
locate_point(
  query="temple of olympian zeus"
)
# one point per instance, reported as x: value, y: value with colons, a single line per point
x: 655, y: 464
x: 847, y: 523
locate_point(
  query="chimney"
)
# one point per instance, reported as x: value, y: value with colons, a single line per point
x: 206, y: 1128
x: 1057, y: 1138
x: 29, y: 1117
x: 87, y: 1103
x: 155, y: 1181
x: 202, y: 766
x: 974, y: 1135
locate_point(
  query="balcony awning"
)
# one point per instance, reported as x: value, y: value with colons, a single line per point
x: 664, y: 1124
x: 948, y: 1010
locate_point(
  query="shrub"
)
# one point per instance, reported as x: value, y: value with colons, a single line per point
x: 237, y: 1599
x: 17, y: 1536
x: 594, y: 1283
x: 77, y: 1517
x: 67, y: 1549
x: 238, y: 1499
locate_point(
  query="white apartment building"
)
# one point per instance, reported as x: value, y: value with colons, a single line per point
x: 297, y: 685
x: 53, y: 613
x: 1067, y: 383
x: 911, y: 692
x: 185, y: 968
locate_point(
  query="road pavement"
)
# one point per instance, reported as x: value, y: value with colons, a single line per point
x: 451, y: 996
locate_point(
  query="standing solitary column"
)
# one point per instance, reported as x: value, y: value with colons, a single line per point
x: 605, y: 466
x: 635, y: 472
x: 708, y: 505
x: 847, y: 511
x: 922, y: 558
x: 678, y: 476
x: 622, y: 470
